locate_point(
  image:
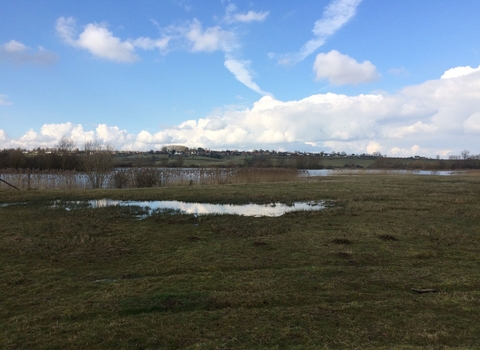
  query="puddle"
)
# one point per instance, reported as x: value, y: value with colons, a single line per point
x: 151, y: 207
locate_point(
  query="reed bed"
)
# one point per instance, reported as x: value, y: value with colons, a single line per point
x: 43, y: 179
x: 144, y: 177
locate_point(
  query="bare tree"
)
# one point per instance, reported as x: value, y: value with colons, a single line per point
x: 64, y: 148
x: 97, y: 162
x: 465, y: 154
x: 65, y: 145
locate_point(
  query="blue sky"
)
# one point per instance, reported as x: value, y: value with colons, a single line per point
x: 399, y: 77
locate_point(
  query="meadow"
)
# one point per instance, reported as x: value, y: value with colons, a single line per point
x: 393, y: 264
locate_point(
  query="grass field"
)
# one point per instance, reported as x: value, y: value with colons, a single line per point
x: 341, y: 278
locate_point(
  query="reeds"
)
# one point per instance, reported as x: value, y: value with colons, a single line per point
x: 43, y: 179
x: 145, y: 177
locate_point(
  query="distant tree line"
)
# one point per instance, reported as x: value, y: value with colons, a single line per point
x: 463, y: 161
x: 41, y: 159
x: 95, y: 158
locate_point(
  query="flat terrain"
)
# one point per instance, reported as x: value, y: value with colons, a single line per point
x: 341, y: 278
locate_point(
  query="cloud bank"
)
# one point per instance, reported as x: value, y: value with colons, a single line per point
x: 415, y: 120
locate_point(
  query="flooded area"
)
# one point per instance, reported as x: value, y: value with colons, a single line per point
x: 178, y: 207
x: 161, y: 177
x: 333, y: 172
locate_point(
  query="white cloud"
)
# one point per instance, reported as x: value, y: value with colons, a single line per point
x: 150, y: 44
x: 17, y: 53
x: 251, y: 16
x: 341, y: 69
x: 100, y: 42
x: 406, y: 152
x: 240, y: 69
x: 435, y: 117
x: 373, y: 147
x: 416, y: 128
x: 335, y: 16
x: 459, y: 72
x: 402, y: 72
x: 210, y: 39
x: 472, y: 124
x: 14, y: 46
x: 218, y: 39
x: 216, y: 124
x: 3, y: 136
x: 56, y: 130
x: 65, y: 28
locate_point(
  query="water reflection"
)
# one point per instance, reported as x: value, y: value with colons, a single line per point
x: 256, y: 210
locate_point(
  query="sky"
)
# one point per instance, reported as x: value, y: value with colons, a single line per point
x: 399, y: 77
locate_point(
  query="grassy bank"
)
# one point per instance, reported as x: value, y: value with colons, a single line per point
x: 334, y: 279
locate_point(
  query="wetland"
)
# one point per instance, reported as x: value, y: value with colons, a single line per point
x: 346, y: 276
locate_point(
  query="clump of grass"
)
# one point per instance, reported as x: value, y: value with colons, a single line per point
x: 345, y: 255
x: 342, y: 241
x: 388, y: 238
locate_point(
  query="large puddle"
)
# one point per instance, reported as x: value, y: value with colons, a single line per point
x: 151, y: 207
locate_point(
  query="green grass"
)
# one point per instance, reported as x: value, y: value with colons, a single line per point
x: 341, y: 278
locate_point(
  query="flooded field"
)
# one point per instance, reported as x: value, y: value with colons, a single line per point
x: 161, y: 177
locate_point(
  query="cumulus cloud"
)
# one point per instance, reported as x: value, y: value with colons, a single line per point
x: 3, y: 136
x: 335, y: 16
x: 459, y: 72
x: 100, y: 42
x: 416, y: 128
x: 17, y: 53
x: 405, y: 152
x: 435, y: 117
x: 341, y: 69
